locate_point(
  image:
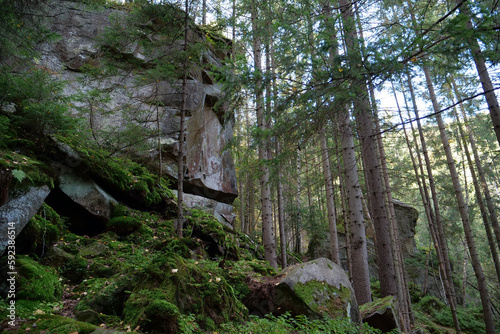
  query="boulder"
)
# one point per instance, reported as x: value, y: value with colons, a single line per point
x: 381, y: 314
x: 56, y: 257
x: 222, y: 211
x: 86, y: 193
x: 407, y: 217
x: 96, y: 249
x: 17, y: 212
x: 319, y: 288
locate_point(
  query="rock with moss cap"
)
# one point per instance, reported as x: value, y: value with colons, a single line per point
x: 17, y: 212
x: 319, y: 288
x: 381, y: 314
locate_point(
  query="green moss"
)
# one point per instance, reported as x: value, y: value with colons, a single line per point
x: 43, y: 230
x: 377, y: 304
x: 151, y: 310
x: 323, y: 298
x: 26, y: 171
x: 36, y: 281
x: 60, y: 325
x: 75, y: 270
x: 142, y: 187
x: 124, y: 225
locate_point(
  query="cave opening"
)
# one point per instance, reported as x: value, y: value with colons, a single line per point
x: 78, y: 220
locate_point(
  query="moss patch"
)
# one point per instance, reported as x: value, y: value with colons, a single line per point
x: 36, y: 281
x: 323, y: 298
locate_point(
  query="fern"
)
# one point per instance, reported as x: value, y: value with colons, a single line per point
x: 19, y: 175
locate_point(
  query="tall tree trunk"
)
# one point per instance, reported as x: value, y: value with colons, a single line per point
x: 330, y: 199
x: 359, y: 253
x: 298, y: 226
x: 267, y: 212
x: 482, y: 71
x: 399, y: 264
x: 462, y: 207
x: 480, y: 170
x: 479, y: 196
x: 181, y: 152
x: 363, y: 114
x: 434, y: 216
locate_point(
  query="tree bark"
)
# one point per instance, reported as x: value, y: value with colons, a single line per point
x: 364, y: 118
x: 482, y: 71
x: 267, y: 212
x: 359, y: 253
x: 462, y: 207
x: 330, y: 199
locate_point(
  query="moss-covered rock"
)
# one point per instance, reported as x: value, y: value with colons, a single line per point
x: 319, y: 288
x: 382, y: 314
x: 94, y: 250
x: 42, y: 231
x: 34, y: 281
x: 151, y: 310
x: 106, y: 296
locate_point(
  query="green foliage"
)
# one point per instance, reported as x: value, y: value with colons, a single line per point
x: 470, y: 319
x: 75, y: 270
x: 43, y: 230
x: 123, y: 174
x: 286, y: 324
x: 26, y: 170
x: 36, y: 281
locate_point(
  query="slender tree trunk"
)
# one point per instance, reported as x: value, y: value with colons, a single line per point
x: 363, y: 114
x: 469, y: 237
x: 267, y: 212
x: 479, y: 196
x: 399, y: 265
x: 435, y: 221
x: 343, y: 200
x: 298, y: 231
x: 480, y: 170
x: 330, y: 199
x: 482, y: 71
x: 181, y: 153
x: 359, y: 253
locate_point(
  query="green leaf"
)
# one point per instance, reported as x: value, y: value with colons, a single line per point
x: 19, y: 175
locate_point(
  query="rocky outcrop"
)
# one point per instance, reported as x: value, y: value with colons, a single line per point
x: 86, y: 193
x: 130, y: 102
x: 319, y: 288
x: 17, y: 212
x: 407, y: 217
x: 381, y: 314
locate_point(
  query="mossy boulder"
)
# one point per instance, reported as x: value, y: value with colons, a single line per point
x: 319, y: 288
x: 106, y: 296
x: 151, y: 310
x: 34, y: 281
x: 94, y: 250
x: 56, y: 257
x: 382, y: 314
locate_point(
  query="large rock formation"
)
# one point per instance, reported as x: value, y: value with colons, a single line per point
x: 15, y: 214
x: 318, y: 288
x: 116, y: 103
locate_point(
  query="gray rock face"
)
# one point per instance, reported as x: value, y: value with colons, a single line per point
x: 407, y: 217
x: 222, y: 211
x: 210, y: 170
x: 18, y: 211
x: 86, y: 193
x: 317, y: 288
